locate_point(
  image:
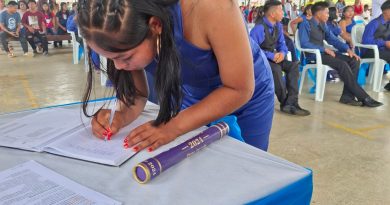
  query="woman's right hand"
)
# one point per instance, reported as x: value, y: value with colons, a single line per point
x: 101, y: 126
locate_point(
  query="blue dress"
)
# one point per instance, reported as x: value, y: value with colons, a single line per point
x: 200, y: 76
x: 349, y: 27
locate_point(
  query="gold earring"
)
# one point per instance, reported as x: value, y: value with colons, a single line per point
x: 158, y: 46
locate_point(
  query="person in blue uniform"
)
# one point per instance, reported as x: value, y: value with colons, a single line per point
x: 377, y: 32
x: 268, y: 34
x: 312, y: 35
x: 202, y: 69
x: 334, y: 27
x: 332, y: 22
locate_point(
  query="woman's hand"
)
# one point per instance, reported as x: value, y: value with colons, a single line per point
x: 151, y: 137
x: 101, y: 126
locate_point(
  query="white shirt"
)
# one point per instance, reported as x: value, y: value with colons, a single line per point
x: 376, y: 8
x: 366, y: 15
x: 288, y: 8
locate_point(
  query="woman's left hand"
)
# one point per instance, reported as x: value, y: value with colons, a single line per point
x: 149, y: 136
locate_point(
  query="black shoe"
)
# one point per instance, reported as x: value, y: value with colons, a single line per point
x: 294, y: 110
x: 35, y: 51
x: 352, y: 102
x: 387, y: 87
x: 369, y: 102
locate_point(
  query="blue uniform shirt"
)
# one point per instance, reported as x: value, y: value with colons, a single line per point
x: 304, y: 36
x: 258, y: 35
x: 369, y: 31
x: 334, y: 28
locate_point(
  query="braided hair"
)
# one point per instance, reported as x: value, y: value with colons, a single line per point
x: 129, y: 21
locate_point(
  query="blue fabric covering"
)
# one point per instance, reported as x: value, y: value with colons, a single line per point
x: 234, y: 128
x: 298, y: 193
x: 200, y: 76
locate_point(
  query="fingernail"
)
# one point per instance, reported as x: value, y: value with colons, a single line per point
x: 150, y: 149
x: 135, y: 149
x: 126, y: 140
x: 126, y: 146
x: 105, y: 133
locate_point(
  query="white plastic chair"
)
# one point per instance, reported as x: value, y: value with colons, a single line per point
x: 250, y: 26
x: 322, y: 70
x: 376, y: 64
x: 75, y: 46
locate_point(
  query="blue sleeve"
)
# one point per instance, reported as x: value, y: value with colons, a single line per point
x: 18, y: 18
x: 369, y: 37
x: 71, y: 24
x: 258, y: 35
x: 2, y: 18
x: 281, y: 46
x: 304, y: 36
x: 334, y: 41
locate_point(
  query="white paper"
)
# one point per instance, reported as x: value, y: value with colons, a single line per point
x: 32, y: 183
x: 83, y: 145
x: 37, y: 129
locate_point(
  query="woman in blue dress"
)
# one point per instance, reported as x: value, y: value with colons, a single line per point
x: 203, y: 69
x: 346, y: 23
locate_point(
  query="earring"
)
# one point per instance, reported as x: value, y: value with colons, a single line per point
x: 158, y: 46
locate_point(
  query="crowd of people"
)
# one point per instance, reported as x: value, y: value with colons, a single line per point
x: 31, y: 22
x: 318, y: 22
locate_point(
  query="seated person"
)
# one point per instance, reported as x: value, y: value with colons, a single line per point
x: 305, y: 16
x: 71, y: 24
x: 332, y: 22
x: 62, y: 17
x: 377, y: 32
x: 312, y: 34
x: 366, y: 13
x: 268, y: 33
x: 34, y: 22
x: 334, y: 27
x: 289, y: 42
x: 346, y: 23
x: 10, y: 24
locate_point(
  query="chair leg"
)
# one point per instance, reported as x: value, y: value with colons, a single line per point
x: 301, y: 83
x: 378, y: 75
x: 320, y: 84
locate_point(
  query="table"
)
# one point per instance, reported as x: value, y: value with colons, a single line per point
x: 226, y: 172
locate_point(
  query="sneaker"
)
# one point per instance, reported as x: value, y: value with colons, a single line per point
x: 11, y: 55
x: 45, y: 53
x: 40, y: 49
x: 294, y: 110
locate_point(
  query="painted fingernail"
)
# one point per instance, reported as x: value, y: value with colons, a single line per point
x: 135, y: 149
x: 150, y: 149
x: 126, y: 140
x: 105, y: 133
x: 126, y: 146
